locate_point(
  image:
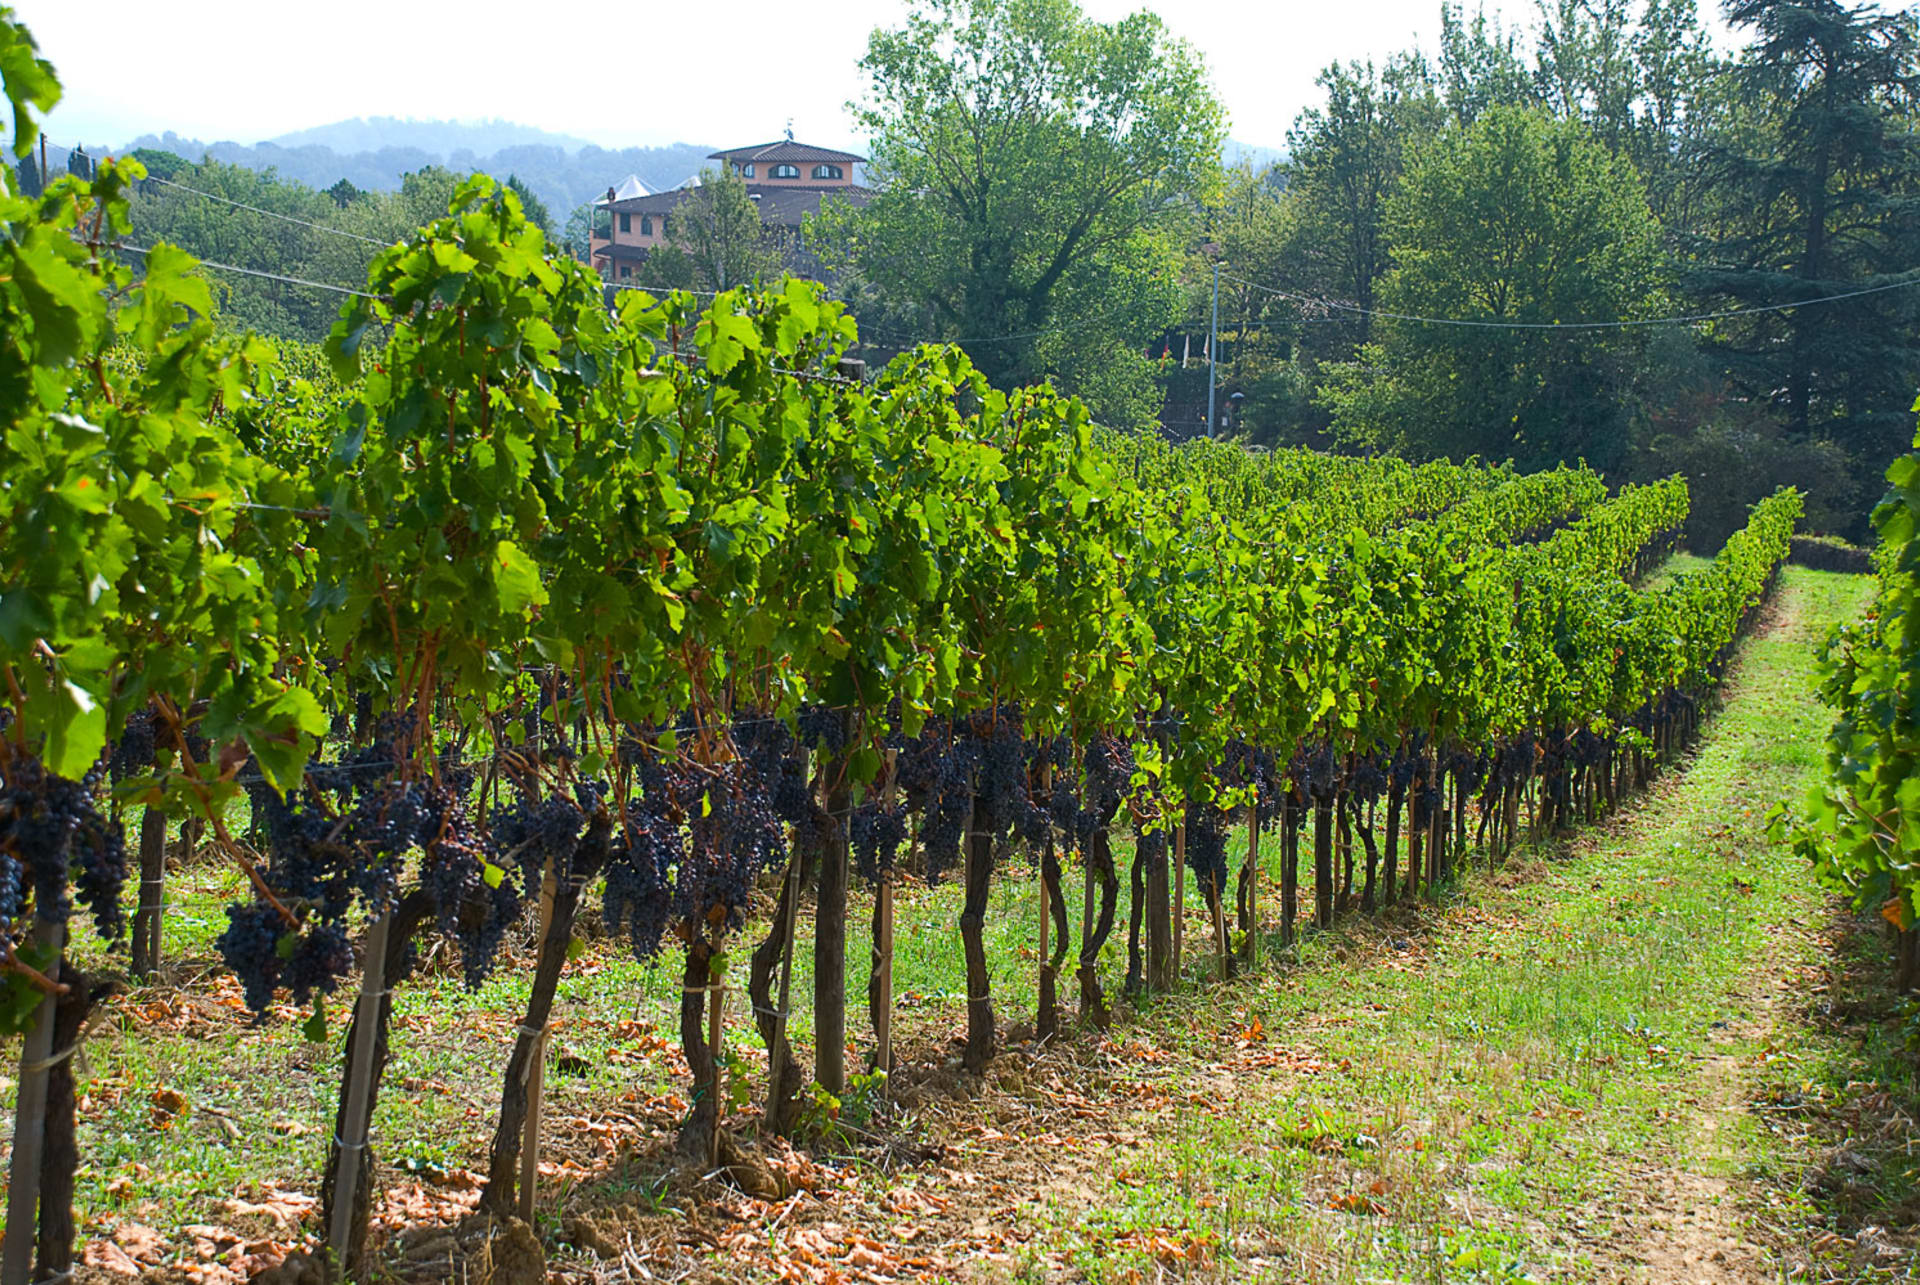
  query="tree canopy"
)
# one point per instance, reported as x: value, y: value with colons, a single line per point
x: 1037, y: 170
x: 1517, y: 218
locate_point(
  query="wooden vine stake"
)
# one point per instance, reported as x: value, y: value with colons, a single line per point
x: 1253, y: 883
x: 1179, y: 896
x: 830, y: 929
x: 536, y: 1074
x: 883, y: 951
x: 30, y: 1122
x: 716, y: 1027
x: 353, y: 1145
x: 1220, y: 928
x: 1046, y: 907
x: 153, y: 866
x: 777, y: 1062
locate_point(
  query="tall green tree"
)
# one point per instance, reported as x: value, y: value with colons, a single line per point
x: 1344, y: 160
x: 1518, y: 218
x: 1818, y: 174
x: 1481, y: 66
x: 532, y: 206
x: 585, y: 222
x: 1030, y: 158
x: 716, y: 239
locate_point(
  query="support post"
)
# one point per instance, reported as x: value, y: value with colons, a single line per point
x: 353, y: 1142
x: 536, y: 1074
x: 1179, y: 897
x: 30, y: 1122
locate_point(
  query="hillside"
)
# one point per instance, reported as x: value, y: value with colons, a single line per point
x: 373, y: 153
x: 442, y: 137
x: 563, y: 171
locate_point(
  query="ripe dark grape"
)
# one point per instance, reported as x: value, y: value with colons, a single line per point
x: 134, y: 752
x: 12, y: 890
x: 64, y: 845
x: 251, y: 947
x: 475, y: 901
x: 1207, y: 846
x: 732, y: 836
x: 1109, y: 769
x: 639, y: 887
x: 322, y: 957
x: 876, y: 834
x: 538, y: 832
x: 822, y: 728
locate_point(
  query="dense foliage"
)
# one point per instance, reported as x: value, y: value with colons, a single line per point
x: 1861, y: 829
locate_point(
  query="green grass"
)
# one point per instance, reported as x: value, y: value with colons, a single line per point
x: 1470, y: 1091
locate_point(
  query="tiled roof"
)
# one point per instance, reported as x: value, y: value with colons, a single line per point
x: 786, y: 149
x: 620, y: 251
x: 652, y: 203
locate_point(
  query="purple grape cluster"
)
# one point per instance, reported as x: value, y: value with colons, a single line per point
x: 475, y: 900
x: 538, y: 832
x: 251, y: 947
x: 876, y: 834
x: 58, y: 846
x: 937, y: 773
x: 133, y: 753
x: 732, y: 836
x: 639, y: 884
x: 1207, y: 846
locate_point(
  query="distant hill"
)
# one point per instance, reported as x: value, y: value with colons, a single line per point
x: 440, y: 137
x: 1236, y: 153
x: 373, y: 154
x: 565, y: 172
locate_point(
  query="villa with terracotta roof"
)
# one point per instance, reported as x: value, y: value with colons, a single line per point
x: 786, y: 180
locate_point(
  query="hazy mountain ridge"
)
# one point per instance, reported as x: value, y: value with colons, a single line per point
x: 440, y: 137
x: 374, y: 152
x: 560, y: 177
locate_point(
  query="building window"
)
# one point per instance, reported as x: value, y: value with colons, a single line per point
x: 646, y: 225
x: 625, y: 271
x: 784, y: 171
x: 827, y: 171
x: 626, y: 223
x: 744, y: 171
x: 663, y: 225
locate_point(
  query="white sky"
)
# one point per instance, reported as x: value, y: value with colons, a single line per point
x: 724, y: 72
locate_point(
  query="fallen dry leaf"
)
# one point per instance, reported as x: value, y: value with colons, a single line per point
x: 108, y: 1257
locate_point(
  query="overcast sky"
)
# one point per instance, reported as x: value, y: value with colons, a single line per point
x: 724, y: 72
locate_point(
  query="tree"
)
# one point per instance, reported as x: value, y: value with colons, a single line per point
x: 1519, y: 218
x: 1480, y: 65
x: 1819, y: 177
x: 1344, y: 161
x: 160, y: 163
x: 585, y: 222
x: 344, y: 193
x: 532, y: 206
x: 716, y: 239
x: 1027, y: 154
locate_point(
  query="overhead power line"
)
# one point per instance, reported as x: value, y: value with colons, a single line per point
x: 256, y: 272
x: 272, y: 214
x: 1476, y: 324
x: 242, y: 205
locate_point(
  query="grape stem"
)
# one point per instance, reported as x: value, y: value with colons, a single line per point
x: 41, y: 982
x: 218, y: 821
